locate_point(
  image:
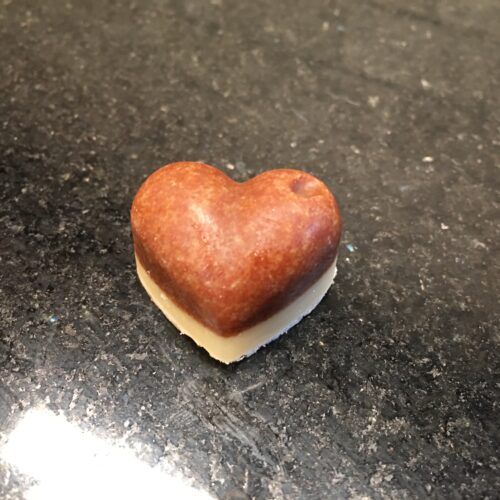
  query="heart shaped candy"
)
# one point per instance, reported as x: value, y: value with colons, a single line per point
x: 232, y: 255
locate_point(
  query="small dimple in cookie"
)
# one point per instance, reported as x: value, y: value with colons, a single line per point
x: 305, y: 186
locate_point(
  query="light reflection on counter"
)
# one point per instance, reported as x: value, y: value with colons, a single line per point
x: 67, y: 462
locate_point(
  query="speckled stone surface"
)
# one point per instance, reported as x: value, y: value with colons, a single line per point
x: 390, y: 388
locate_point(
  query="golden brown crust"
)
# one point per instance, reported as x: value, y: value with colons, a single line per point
x: 232, y: 254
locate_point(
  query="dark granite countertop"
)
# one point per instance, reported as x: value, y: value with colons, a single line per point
x: 390, y: 388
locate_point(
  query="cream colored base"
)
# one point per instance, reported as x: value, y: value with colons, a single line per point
x: 245, y: 343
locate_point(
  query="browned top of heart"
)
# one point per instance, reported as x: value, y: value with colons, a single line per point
x: 232, y: 254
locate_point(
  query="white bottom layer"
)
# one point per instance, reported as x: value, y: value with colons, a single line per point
x: 245, y: 343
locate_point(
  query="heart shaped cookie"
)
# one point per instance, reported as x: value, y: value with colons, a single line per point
x: 234, y: 265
